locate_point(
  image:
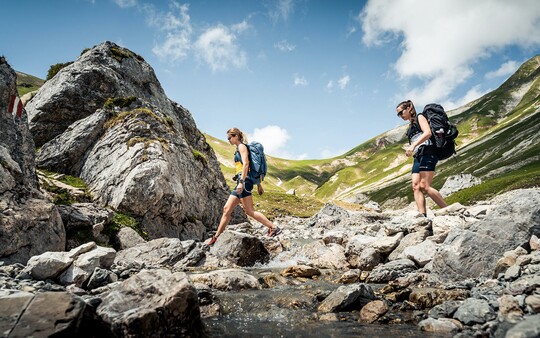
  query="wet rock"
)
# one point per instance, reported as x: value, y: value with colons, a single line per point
x: 533, y: 302
x: 445, y: 310
x: 301, y: 271
x: 228, y: 279
x: 240, y: 249
x: 350, y: 276
x: 325, y: 256
x: 426, y: 298
x: 440, y: 325
x: 391, y: 270
x: 347, y: 297
x: 49, y: 314
x: 509, y: 308
x: 373, y: 311
x: 335, y: 237
x: 528, y: 328
x: 474, y: 311
x: 153, y: 302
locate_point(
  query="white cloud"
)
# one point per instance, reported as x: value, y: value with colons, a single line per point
x: 344, y: 81
x: 284, y: 46
x: 125, y: 3
x: 508, y: 68
x: 300, y: 81
x: 473, y: 94
x: 218, y: 48
x: 442, y: 40
x: 273, y: 138
x: 178, y: 30
x: 282, y: 10
x: 330, y: 85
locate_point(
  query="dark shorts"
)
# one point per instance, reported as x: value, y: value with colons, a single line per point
x: 424, y: 163
x: 248, y: 187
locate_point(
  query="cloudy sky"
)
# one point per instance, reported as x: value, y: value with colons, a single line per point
x: 308, y: 78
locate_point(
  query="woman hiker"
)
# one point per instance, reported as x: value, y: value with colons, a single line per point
x: 425, y: 159
x: 242, y: 191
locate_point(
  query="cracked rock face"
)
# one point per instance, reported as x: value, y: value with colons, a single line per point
x: 145, y: 158
x: 29, y: 224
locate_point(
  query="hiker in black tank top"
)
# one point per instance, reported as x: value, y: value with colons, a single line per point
x: 425, y: 159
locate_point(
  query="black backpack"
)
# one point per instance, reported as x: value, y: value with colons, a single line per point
x: 443, y: 133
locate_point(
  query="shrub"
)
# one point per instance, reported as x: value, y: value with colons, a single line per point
x: 54, y: 69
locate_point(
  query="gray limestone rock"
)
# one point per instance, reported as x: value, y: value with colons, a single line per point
x: 29, y: 224
x: 141, y: 155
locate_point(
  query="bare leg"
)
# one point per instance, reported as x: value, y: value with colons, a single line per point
x: 232, y: 202
x: 418, y: 194
x: 426, y: 178
x: 247, y: 203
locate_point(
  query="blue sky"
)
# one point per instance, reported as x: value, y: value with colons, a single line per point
x: 307, y: 78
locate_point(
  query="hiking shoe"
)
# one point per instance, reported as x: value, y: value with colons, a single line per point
x: 274, y: 232
x: 212, y: 241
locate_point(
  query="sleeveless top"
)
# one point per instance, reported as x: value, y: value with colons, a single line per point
x: 413, y: 133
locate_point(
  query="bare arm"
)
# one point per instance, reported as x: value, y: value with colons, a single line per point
x: 426, y: 134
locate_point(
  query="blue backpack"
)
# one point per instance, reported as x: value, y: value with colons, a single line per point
x: 257, y: 161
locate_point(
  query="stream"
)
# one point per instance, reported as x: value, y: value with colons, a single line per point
x: 291, y: 310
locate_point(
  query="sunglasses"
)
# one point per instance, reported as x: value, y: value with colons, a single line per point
x: 400, y: 113
x: 230, y: 137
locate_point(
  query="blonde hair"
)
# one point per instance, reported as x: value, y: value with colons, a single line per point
x: 235, y: 131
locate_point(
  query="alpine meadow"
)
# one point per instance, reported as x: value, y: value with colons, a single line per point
x: 498, y: 143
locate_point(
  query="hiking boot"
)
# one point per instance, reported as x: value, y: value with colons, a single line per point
x: 274, y: 232
x: 212, y: 241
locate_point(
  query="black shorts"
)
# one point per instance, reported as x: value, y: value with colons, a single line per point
x: 424, y: 163
x: 248, y: 187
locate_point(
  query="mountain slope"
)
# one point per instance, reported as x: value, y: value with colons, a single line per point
x: 499, y: 137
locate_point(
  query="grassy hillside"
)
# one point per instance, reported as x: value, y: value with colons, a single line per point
x: 27, y: 83
x: 275, y: 201
x: 498, y: 143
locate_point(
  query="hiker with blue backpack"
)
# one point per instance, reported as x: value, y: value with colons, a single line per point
x: 427, y: 147
x: 250, y: 168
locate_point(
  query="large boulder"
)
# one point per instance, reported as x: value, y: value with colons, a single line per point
x: 29, y: 223
x: 474, y: 252
x: 48, y: 314
x: 106, y: 119
x: 154, y: 303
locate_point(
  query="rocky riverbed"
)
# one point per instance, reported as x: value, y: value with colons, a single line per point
x: 463, y: 271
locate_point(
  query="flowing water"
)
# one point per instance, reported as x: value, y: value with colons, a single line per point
x: 291, y: 311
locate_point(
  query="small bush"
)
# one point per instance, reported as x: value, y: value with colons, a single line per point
x: 199, y: 156
x: 121, y: 221
x: 54, y: 69
x: 121, y: 102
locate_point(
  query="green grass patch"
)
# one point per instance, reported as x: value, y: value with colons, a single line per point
x: 121, y: 221
x: 27, y: 83
x: 121, y: 102
x: 199, y: 156
x: 277, y: 204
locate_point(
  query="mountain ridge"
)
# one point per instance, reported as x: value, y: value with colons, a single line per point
x: 508, y: 113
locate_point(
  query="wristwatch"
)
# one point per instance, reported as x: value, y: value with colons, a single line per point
x: 240, y: 181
